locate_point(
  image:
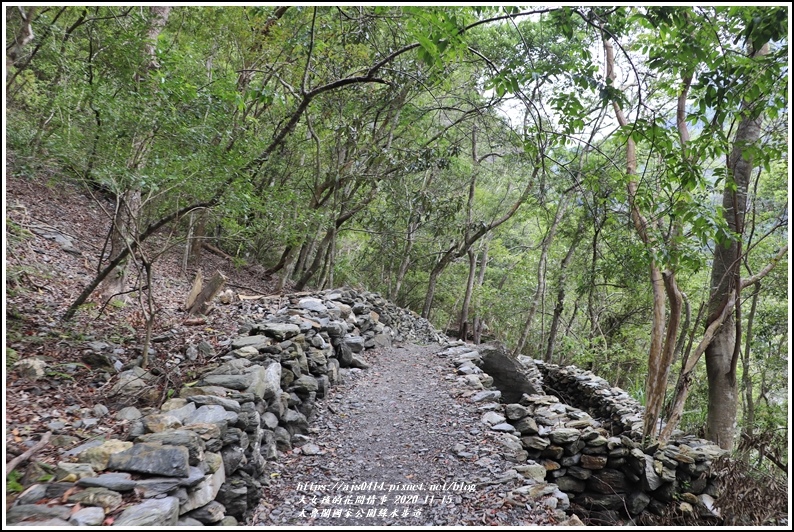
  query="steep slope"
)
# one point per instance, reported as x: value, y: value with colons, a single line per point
x: 55, y: 234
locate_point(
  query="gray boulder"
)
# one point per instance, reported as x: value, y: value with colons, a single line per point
x: 515, y: 377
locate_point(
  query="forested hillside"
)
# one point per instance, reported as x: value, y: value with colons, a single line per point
x: 599, y: 186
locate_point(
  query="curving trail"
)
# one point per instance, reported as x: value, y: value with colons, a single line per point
x: 400, y: 444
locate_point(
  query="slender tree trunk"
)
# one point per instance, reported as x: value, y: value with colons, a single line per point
x: 288, y: 268
x: 431, y: 289
x: 663, y: 284
x: 458, y: 250
x: 318, y: 259
x: 405, y: 262
x: 190, y: 229
x: 331, y: 232
x: 128, y: 203
x: 748, y: 423
x: 463, y: 330
x: 287, y: 255
x: 303, y: 257
x: 571, y: 320
x: 197, y: 239
x: 559, y: 307
x: 327, y: 273
x: 150, y: 230
x: 541, y: 288
x: 128, y: 206
x: 477, y: 321
x: 592, y: 313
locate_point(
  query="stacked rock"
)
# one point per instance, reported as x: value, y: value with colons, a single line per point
x: 201, y: 458
x: 590, y: 445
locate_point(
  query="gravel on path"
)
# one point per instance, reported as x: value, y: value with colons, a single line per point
x: 399, y: 443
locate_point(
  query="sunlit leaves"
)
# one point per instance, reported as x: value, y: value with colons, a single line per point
x: 571, y: 111
x: 766, y: 26
x: 439, y: 31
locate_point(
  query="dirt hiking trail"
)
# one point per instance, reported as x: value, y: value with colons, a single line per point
x: 401, y: 444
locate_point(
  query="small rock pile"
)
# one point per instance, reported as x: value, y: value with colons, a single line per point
x: 201, y: 459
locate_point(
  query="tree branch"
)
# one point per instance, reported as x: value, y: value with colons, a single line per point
x: 10, y: 466
x: 124, y: 252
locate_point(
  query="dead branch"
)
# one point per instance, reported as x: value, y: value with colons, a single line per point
x: 10, y: 466
x: 212, y: 249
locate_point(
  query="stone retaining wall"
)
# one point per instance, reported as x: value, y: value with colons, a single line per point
x: 587, y: 436
x: 201, y: 459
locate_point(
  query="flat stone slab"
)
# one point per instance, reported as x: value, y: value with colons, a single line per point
x: 279, y: 331
x: 39, y: 512
x: 252, y: 341
x: 228, y: 404
x: 165, y: 460
x: 211, y: 414
x: 151, y: 512
x: 111, y: 481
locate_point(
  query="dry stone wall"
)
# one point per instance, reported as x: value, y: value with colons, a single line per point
x: 201, y: 458
x: 586, y: 434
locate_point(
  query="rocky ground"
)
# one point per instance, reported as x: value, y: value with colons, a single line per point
x: 403, y: 425
x: 401, y: 444
x: 55, y: 234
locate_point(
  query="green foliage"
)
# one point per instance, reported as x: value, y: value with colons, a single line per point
x: 13, y: 482
x: 439, y: 32
x: 11, y: 357
x: 432, y: 105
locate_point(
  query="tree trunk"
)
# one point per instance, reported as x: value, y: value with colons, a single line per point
x: 286, y: 256
x: 306, y: 250
x: 688, y: 364
x: 663, y: 284
x: 289, y: 265
x: 196, y: 240
x: 456, y: 250
x: 327, y: 273
x: 125, y: 220
x: 190, y: 229
x: 559, y: 307
x: 23, y: 36
x: 747, y: 380
x: 477, y: 321
x: 150, y: 230
x: 330, y: 237
x: 405, y: 262
x: 128, y: 204
x: 315, y: 265
x: 592, y: 313
x: 463, y: 329
x: 431, y: 289
x: 403, y: 269
x: 721, y: 423
x: 541, y: 288
x: 723, y: 353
